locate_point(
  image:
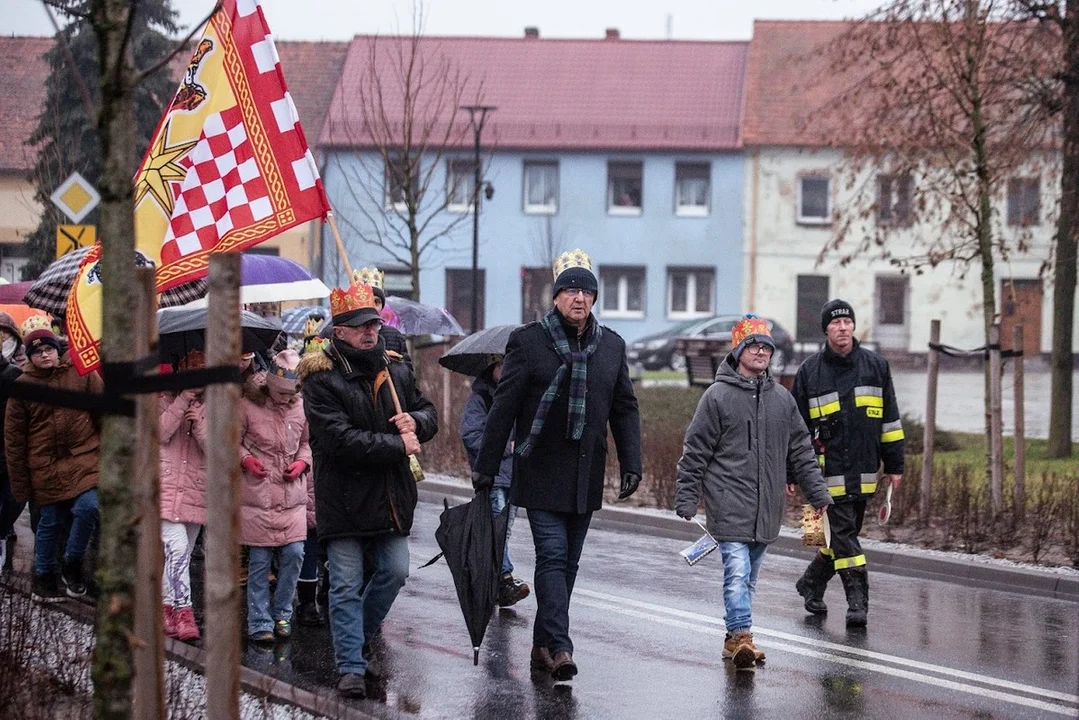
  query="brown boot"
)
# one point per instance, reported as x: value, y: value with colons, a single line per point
x: 541, y: 659
x: 564, y: 667
x: 745, y: 652
x: 730, y: 645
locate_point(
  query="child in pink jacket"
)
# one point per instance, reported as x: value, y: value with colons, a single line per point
x: 276, y: 457
x: 183, y: 497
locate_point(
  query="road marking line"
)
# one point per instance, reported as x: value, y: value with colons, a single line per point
x: 715, y: 626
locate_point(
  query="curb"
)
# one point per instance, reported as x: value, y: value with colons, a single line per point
x: 976, y: 572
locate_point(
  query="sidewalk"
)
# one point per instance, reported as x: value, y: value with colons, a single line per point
x: 976, y: 571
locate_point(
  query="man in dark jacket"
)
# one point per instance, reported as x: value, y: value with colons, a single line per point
x: 365, y: 494
x: 392, y: 338
x: 745, y: 441
x: 845, y: 396
x: 10, y: 509
x: 564, y: 380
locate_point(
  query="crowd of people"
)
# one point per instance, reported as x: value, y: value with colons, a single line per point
x: 328, y: 495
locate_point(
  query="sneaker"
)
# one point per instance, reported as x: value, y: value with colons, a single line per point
x: 262, y: 637
x: 186, y: 629
x: 745, y: 652
x: 46, y: 589
x: 511, y: 590
x: 352, y: 685
x: 282, y: 629
x: 71, y: 575
x: 170, y: 621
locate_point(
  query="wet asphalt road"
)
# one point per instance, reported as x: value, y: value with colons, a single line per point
x: 648, y: 632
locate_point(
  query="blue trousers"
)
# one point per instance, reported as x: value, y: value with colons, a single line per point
x: 559, y: 539
x: 81, y: 512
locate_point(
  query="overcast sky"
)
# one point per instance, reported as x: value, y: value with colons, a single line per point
x: 636, y: 19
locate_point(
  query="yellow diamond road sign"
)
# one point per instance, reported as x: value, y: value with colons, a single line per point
x: 73, y: 237
x: 76, y: 197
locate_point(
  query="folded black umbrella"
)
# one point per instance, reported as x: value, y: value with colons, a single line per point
x: 473, y: 541
x: 183, y: 329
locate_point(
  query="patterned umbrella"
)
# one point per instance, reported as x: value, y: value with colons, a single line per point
x: 413, y: 318
x: 294, y: 319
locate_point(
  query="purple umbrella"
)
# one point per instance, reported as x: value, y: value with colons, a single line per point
x: 13, y: 292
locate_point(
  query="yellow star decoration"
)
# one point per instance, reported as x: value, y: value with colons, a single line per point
x: 162, y: 169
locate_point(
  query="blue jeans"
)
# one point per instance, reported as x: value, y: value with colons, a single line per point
x: 81, y: 512
x: 499, y: 500
x: 741, y: 567
x: 262, y: 613
x: 356, y: 618
x: 312, y: 554
x: 559, y: 539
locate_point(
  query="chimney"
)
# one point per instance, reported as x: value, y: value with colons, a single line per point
x: 532, y: 33
x: 612, y: 34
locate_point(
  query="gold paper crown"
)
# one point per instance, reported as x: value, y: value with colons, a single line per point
x: 749, y: 325
x: 372, y: 276
x: 34, y: 322
x: 355, y: 297
x: 571, y: 259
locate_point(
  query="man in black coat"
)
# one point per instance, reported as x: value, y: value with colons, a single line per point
x: 564, y: 380
x: 365, y: 495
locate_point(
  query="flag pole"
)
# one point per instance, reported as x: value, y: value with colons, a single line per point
x: 340, y: 247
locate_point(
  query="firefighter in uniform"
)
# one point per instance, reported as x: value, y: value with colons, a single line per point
x: 845, y: 395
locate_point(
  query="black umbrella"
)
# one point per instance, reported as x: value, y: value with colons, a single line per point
x: 184, y: 329
x: 473, y: 541
x: 472, y: 355
x: 413, y: 318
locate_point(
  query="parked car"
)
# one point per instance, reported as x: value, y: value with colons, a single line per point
x: 658, y: 351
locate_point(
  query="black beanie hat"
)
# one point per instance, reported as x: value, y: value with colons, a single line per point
x: 575, y: 277
x: 835, y: 309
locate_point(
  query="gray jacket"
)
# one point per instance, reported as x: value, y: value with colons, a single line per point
x: 745, y: 441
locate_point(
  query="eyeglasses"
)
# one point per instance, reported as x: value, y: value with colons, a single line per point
x: 759, y: 348
x: 573, y: 292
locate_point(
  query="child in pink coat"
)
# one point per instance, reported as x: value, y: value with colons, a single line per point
x: 183, y: 497
x: 276, y: 457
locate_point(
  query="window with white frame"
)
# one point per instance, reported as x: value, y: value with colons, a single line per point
x: 621, y: 291
x: 541, y: 187
x: 1024, y: 201
x: 689, y: 292
x: 814, y: 199
x: 894, y: 201
x: 691, y: 186
x: 625, y: 188
x: 460, y: 180
x: 399, y: 175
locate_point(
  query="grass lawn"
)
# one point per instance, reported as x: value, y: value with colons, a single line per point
x: 971, y: 453
x: 663, y: 375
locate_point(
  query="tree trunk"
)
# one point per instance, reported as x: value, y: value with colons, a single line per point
x: 112, y: 668
x: 1060, y: 362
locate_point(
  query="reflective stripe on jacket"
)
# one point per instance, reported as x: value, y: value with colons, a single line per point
x: 850, y: 408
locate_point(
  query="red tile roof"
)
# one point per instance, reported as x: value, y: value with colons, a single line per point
x: 22, y: 91
x: 787, y: 79
x: 572, y: 94
x: 312, y: 70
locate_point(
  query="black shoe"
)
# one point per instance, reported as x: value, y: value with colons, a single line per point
x: 352, y: 685
x: 511, y: 590
x: 71, y: 575
x: 307, y: 614
x: 46, y: 589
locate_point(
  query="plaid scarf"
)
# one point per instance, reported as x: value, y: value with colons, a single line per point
x: 576, y: 363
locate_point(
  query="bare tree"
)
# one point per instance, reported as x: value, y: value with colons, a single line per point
x: 409, y: 136
x: 934, y: 119
x: 548, y: 241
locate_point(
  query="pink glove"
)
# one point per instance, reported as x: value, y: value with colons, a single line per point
x: 295, y: 470
x: 254, y: 466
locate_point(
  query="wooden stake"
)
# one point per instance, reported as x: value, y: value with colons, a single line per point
x: 996, y: 431
x: 1020, y: 428
x: 928, y: 439
x: 148, y: 654
x: 340, y: 248
x: 222, y: 495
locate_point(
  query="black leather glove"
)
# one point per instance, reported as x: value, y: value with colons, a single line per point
x: 482, y: 482
x: 630, y: 481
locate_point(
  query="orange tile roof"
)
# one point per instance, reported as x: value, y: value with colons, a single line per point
x: 22, y: 92
x: 312, y: 70
x: 607, y: 94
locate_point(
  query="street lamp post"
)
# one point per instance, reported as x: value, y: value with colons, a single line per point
x: 477, y: 116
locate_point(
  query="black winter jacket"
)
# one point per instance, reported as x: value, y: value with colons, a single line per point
x: 363, y: 485
x: 849, y: 405
x: 561, y: 474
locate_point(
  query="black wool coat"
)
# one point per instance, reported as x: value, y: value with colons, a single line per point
x: 560, y: 474
x: 363, y: 485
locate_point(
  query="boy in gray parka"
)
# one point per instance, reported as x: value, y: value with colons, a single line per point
x: 745, y: 441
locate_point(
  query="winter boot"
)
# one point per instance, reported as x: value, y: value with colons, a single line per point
x: 46, y: 589
x: 71, y: 574
x: 307, y: 613
x: 745, y: 652
x: 322, y: 597
x: 511, y: 590
x: 186, y: 629
x: 856, y: 585
x: 169, y: 621
x: 814, y: 582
